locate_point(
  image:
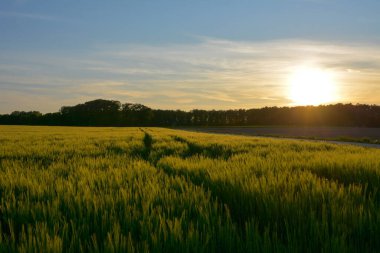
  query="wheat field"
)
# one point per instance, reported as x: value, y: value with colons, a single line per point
x: 73, y: 189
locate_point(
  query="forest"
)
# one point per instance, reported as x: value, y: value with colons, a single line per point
x: 102, y: 112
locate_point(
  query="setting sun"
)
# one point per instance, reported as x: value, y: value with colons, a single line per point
x: 311, y: 86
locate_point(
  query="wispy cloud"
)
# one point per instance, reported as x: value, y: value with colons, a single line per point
x: 23, y: 15
x: 212, y: 73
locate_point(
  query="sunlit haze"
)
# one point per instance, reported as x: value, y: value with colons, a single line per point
x: 312, y: 86
x: 188, y: 54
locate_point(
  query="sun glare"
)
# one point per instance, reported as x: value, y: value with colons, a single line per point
x: 312, y: 86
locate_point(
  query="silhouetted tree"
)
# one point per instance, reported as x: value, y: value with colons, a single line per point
x: 98, y: 112
x: 137, y: 114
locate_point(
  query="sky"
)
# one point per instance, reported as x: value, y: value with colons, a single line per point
x: 182, y: 54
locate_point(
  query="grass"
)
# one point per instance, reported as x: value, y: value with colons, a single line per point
x: 158, y: 190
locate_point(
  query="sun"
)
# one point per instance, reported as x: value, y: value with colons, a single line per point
x: 311, y: 86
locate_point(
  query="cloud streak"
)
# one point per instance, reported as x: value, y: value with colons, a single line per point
x: 22, y: 15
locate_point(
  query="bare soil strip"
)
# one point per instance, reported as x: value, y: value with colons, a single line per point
x: 314, y: 133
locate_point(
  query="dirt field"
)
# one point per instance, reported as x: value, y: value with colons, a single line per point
x: 359, y: 134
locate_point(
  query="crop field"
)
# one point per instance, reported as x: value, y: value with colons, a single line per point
x: 66, y: 189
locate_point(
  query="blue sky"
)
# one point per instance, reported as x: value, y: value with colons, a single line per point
x: 182, y: 54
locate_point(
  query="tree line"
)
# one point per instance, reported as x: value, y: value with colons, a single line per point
x: 102, y: 112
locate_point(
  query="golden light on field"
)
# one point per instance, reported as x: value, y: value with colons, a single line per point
x: 312, y: 86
